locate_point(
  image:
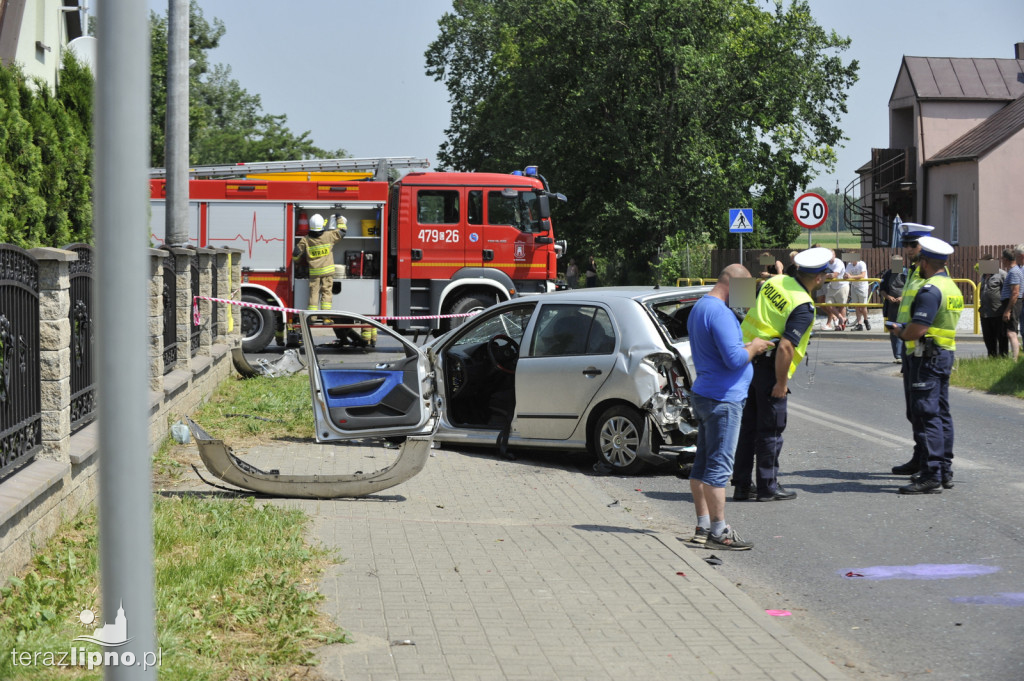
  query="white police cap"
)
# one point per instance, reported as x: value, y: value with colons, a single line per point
x: 912, y: 231
x: 813, y: 260
x: 933, y: 248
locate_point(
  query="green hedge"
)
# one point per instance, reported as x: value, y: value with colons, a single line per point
x: 46, y: 158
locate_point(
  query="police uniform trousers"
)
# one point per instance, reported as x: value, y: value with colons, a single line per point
x: 764, y: 420
x: 920, y: 456
x: 933, y: 425
x: 320, y: 290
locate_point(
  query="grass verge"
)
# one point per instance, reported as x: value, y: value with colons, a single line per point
x: 234, y: 595
x: 244, y: 412
x: 996, y: 375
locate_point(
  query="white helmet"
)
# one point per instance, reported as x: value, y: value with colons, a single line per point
x: 316, y: 223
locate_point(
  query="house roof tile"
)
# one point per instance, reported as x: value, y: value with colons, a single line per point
x: 966, y: 78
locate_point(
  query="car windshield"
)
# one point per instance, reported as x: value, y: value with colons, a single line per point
x: 510, y: 322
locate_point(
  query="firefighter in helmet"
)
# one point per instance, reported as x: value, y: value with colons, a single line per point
x: 317, y: 248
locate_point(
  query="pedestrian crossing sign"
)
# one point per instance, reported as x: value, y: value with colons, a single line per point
x: 741, y: 220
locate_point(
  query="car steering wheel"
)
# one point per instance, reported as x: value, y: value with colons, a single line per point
x: 504, y: 353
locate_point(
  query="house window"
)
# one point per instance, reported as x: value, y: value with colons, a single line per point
x: 952, y: 218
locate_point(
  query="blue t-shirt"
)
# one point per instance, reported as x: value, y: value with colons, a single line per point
x: 716, y: 342
x: 1014, y: 275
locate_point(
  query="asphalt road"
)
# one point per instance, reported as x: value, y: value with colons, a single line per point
x: 956, y: 610
x: 846, y: 430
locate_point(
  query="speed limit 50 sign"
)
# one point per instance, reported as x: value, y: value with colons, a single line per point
x: 810, y: 211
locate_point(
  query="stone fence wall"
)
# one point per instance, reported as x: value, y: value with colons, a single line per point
x: 61, y: 480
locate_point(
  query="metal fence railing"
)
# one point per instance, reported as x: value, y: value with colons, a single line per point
x: 170, y: 317
x: 83, y: 381
x: 20, y: 403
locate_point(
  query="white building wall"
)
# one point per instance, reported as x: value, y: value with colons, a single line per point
x: 43, y: 24
x: 1001, y: 216
x: 960, y: 180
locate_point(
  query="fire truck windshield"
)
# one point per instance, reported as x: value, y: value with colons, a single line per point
x: 517, y: 208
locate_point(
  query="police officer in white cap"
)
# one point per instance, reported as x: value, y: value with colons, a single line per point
x: 911, y: 232
x: 930, y: 338
x: 783, y: 313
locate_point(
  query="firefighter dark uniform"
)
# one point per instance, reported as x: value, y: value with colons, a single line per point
x: 783, y: 308
x: 317, y: 248
x: 937, y: 305
x: 911, y: 233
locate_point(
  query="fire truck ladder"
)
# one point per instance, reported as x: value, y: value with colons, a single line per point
x: 380, y: 166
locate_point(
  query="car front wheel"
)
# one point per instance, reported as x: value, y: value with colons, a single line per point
x: 615, y: 439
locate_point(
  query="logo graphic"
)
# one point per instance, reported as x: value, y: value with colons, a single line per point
x: 474, y: 237
x: 109, y: 635
x: 520, y: 251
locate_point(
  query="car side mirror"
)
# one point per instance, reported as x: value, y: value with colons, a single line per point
x: 544, y: 205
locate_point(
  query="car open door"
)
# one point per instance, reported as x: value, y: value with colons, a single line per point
x: 375, y: 394
x: 365, y: 380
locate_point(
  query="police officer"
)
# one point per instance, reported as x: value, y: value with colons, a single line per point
x: 317, y: 248
x: 911, y: 233
x: 930, y: 338
x: 783, y: 313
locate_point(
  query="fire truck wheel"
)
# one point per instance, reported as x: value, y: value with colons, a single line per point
x: 474, y: 302
x: 257, y: 325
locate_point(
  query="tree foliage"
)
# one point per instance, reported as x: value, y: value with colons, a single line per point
x: 227, y: 124
x: 653, y: 116
x: 46, y: 158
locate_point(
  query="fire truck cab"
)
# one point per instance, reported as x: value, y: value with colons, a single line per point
x: 427, y: 245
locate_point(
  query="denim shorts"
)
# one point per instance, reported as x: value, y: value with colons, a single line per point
x: 717, y: 435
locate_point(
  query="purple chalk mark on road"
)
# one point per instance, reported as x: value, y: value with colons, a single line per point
x: 997, y: 599
x: 920, y: 571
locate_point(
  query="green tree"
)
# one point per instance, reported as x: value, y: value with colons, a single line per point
x: 227, y: 124
x: 74, y: 97
x: 653, y: 116
x: 21, y: 207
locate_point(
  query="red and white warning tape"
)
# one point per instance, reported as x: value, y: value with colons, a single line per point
x: 259, y: 306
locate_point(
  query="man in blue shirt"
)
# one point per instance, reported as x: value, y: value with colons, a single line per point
x: 719, y: 393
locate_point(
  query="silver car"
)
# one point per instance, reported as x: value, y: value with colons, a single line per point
x: 602, y: 369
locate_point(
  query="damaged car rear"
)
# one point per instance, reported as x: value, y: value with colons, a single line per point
x: 602, y: 369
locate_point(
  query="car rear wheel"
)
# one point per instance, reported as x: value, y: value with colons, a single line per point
x: 615, y: 439
x: 257, y: 325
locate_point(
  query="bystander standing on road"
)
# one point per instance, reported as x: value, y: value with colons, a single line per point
x: 783, y: 313
x: 837, y: 293
x: 911, y: 253
x: 890, y: 288
x: 1018, y: 254
x: 1010, y: 295
x: 770, y: 270
x: 590, y: 274
x: 990, y: 310
x: 572, y: 274
x: 857, y: 272
x: 722, y: 361
x: 930, y: 337
x: 791, y: 267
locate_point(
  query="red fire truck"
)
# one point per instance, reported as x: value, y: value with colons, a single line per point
x: 425, y: 245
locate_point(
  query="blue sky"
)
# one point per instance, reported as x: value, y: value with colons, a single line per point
x: 352, y: 73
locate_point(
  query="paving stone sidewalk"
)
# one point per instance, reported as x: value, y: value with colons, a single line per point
x: 481, y: 568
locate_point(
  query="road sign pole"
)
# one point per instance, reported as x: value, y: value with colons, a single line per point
x: 741, y: 248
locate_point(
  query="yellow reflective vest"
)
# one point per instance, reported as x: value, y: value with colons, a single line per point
x: 943, y: 328
x: 317, y: 248
x: 776, y: 300
x: 910, y: 288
